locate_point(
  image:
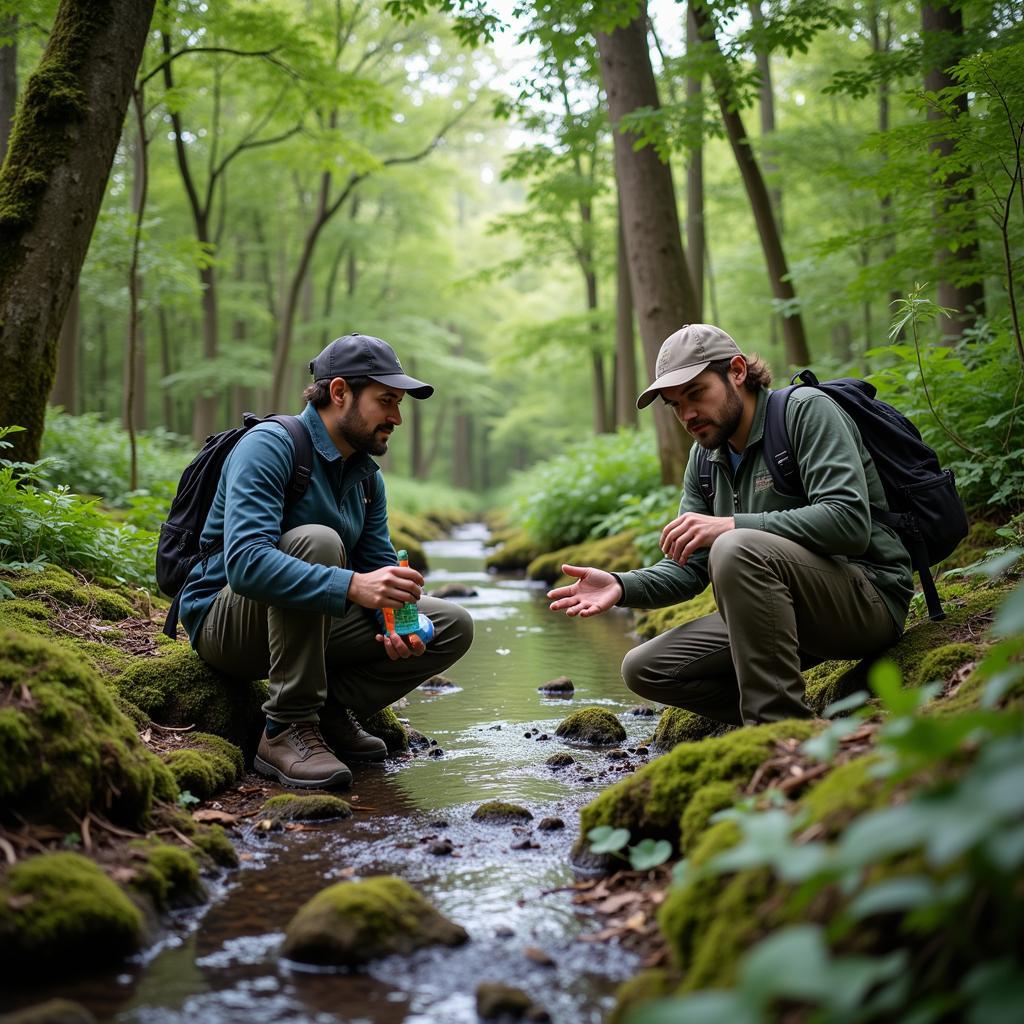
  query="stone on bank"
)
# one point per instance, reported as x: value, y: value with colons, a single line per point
x: 351, y: 923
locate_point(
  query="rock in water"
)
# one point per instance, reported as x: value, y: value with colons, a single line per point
x: 501, y: 812
x: 678, y: 726
x: 560, y: 687
x: 596, y: 727
x: 351, y: 923
x: 450, y: 590
x: 495, y: 1001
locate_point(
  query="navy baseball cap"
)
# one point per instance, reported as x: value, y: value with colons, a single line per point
x: 362, y: 355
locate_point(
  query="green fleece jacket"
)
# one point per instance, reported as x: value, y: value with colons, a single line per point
x: 841, y: 484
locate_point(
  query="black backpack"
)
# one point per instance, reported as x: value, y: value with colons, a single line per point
x: 925, y: 511
x: 178, y: 549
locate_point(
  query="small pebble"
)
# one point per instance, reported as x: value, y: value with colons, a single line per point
x: 550, y: 824
x: 538, y: 956
x: 525, y: 844
x: 435, y: 752
x: 504, y: 932
x: 439, y: 823
x: 617, y: 755
x: 543, y: 736
x: 442, y: 848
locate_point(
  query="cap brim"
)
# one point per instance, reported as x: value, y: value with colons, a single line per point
x: 410, y: 385
x: 670, y: 380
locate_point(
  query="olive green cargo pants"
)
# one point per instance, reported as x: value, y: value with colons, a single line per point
x: 314, y: 660
x: 781, y: 608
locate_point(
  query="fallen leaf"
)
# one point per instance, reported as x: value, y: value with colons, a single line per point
x: 538, y: 956
x: 613, y: 904
x: 208, y: 814
x: 636, y: 922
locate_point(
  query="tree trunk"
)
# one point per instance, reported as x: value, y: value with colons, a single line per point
x: 51, y: 188
x: 695, y: 239
x: 760, y: 203
x: 241, y: 396
x: 168, y: 404
x: 661, y: 280
x: 8, y: 80
x: 956, y: 233
x: 134, y: 405
x: 462, y: 447
x: 625, y: 350
x: 600, y: 387
x: 63, y: 393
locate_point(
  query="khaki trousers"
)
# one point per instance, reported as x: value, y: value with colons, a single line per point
x: 313, y: 659
x: 781, y: 608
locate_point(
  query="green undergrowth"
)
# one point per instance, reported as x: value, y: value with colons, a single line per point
x: 513, y: 549
x: 843, y: 898
x: 615, y: 554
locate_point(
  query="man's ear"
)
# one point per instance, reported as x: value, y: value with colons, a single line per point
x: 738, y: 370
x: 340, y: 392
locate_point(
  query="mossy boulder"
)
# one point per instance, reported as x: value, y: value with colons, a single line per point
x: 205, y: 765
x: 168, y: 875
x: 417, y: 556
x: 615, y: 553
x: 939, y: 665
x: 64, y: 746
x: 385, y: 725
x: 418, y: 527
x: 497, y: 1001
x: 651, y: 802
x: 705, y: 802
x: 179, y: 689
x: 560, y: 759
x: 351, y: 923
x: 59, y: 911
x: 65, y: 588
x: 515, y: 550
x: 655, y: 621
x: 314, y: 807
x: 53, y: 1011
x: 501, y: 812
x: 679, y: 726
x: 213, y: 842
x: 595, y: 727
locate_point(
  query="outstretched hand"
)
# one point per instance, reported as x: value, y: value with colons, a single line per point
x: 594, y: 591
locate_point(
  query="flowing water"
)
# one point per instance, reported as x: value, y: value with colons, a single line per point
x: 221, y: 965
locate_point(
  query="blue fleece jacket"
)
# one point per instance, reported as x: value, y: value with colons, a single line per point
x: 248, y: 513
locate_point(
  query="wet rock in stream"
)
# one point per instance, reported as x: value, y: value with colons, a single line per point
x: 560, y: 687
x: 450, y: 590
x: 497, y: 1001
x: 501, y: 812
x: 315, y: 807
x: 351, y: 923
x: 438, y: 684
x: 53, y: 1011
x: 550, y: 824
x: 560, y: 760
x: 596, y: 727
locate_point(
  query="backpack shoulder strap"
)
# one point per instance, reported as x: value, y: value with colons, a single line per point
x: 775, y: 442
x: 302, y: 466
x: 705, y: 477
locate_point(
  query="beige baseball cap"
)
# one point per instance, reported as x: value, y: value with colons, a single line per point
x: 685, y: 354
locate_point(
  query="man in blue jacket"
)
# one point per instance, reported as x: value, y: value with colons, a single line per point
x: 291, y: 595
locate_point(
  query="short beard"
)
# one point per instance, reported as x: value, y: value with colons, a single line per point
x: 360, y: 436
x: 731, y: 413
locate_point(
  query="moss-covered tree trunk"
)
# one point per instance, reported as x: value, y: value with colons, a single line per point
x: 51, y: 186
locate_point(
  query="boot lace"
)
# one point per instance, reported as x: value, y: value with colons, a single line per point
x: 309, y: 739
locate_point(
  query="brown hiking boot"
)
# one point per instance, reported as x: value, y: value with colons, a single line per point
x: 300, y: 757
x: 352, y: 742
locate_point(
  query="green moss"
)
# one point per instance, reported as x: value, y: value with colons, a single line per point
x: 847, y: 790
x: 26, y: 616
x: 652, y: 801
x: 515, y: 550
x: 179, y: 689
x: 105, y: 658
x: 315, y: 807
x: 384, y: 724
x: 198, y: 774
x: 642, y: 988
x: 705, y: 802
x: 939, y: 665
x: 616, y: 554
x: 135, y: 715
x: 62, y: 586
x: 596, y: 727
x: 60, y: 909
x: 64, y: 746
x: 678, y: 726
x: 417, y: 556
x: 352, y: 923
x: 420, y: 528
x: 654, y: 622
x: 214, y: 843
x: 168, y: 875
x: 500, y: 812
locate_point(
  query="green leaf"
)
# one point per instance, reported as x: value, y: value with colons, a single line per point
x: 700, y: 1008
x: 1010, y: 616
x: 649, y: 853
x: 893, y: 894
x: 605, y: 839
x: 855, y: 700
x: 186, y: 799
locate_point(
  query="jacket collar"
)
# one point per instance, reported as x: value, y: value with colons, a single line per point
x: 327, y: 449
x: 756, y: 427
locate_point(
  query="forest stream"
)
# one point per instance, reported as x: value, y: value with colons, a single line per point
x: 221, y: 964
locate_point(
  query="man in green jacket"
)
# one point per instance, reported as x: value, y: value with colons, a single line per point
x: 796, y: 581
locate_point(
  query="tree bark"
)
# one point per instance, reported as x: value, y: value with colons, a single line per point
x: 8, y: 80
x: 660, y: 278
x: 625, y: 349
x: 51, y: 188
x: 695, y: 237
x: 942, y: 26
x: 64, y: 392
x: 168, y: 404
x: 794, y: 338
